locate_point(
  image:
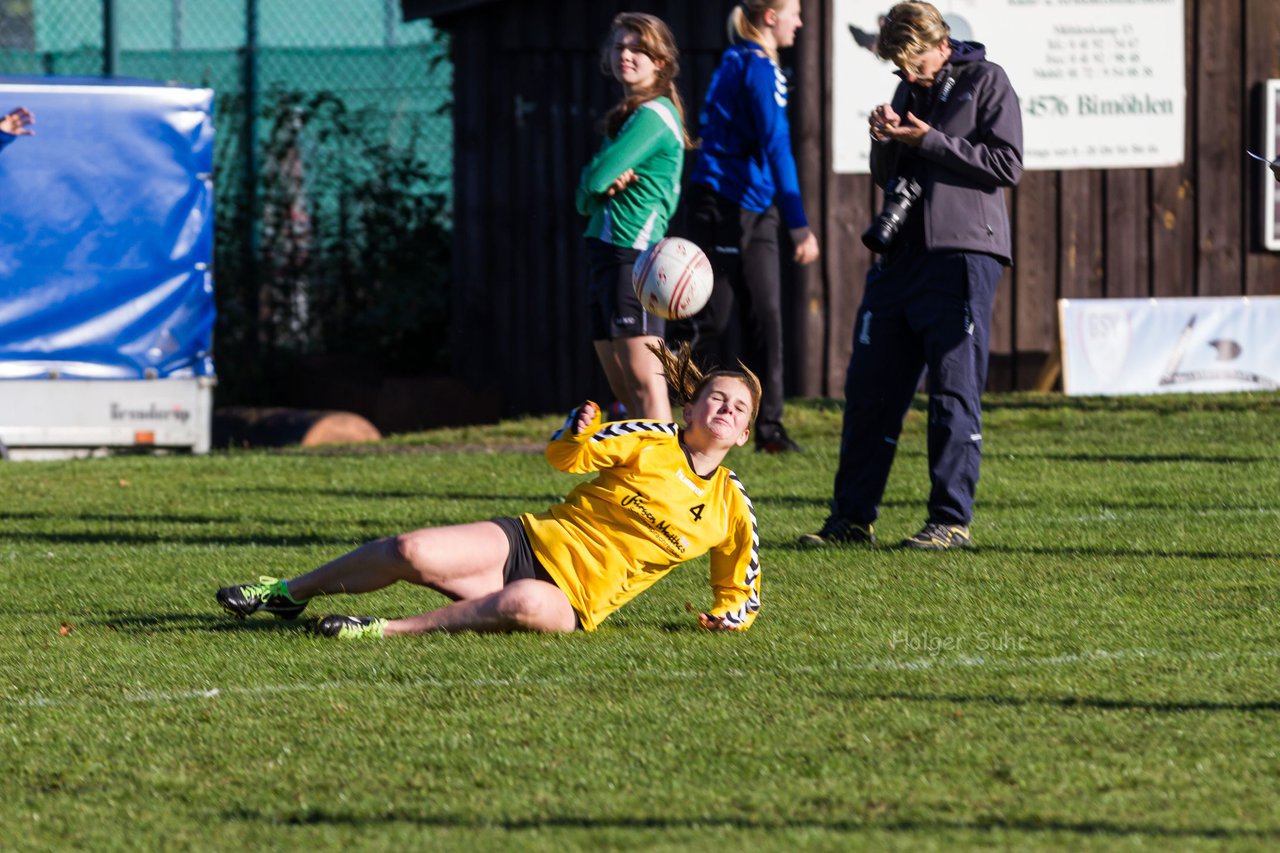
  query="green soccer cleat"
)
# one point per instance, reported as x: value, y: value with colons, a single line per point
x: 839, y: 531
x: 269, y: 594
x: 350, y: 627
x: 939, y: 537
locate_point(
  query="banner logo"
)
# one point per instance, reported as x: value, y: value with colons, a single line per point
x: 152, y: 413
x: 1107, y: 334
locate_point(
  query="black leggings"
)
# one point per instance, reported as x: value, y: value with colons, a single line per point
x: 743, y: 319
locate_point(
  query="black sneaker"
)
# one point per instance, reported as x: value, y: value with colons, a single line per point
x: 840, y: 531
x: 775, y: 440
x: 269, y: 594
x: 350, y: 627
x: 939, y: 537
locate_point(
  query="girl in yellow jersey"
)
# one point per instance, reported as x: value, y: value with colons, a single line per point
x: 660, y: 498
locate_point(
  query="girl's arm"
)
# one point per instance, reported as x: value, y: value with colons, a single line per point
x: 768, y: 99
x: 584, y: 444
x: 735, y: 571
x: 644, y: 133
x: 994, y: 158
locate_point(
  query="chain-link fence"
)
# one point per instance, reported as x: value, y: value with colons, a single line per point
x: 333, y: 164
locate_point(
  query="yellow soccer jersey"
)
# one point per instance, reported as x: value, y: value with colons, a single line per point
x: 646, y: 513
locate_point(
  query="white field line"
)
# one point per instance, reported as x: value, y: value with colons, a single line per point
x: 917, y: 664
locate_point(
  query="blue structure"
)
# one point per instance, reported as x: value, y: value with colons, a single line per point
x: 106, y: 246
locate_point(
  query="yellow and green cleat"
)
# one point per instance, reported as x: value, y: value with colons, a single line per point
x: 269, y: 594
x: 350, y: 627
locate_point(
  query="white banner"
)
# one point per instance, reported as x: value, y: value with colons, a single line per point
x: 1271, y: 199
x: 1101, y: 82
x: 1166, y: 346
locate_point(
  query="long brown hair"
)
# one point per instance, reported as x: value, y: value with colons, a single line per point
x: 657, y: 42
x: 687, y: 380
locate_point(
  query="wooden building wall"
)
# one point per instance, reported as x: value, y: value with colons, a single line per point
x: 529, y: 95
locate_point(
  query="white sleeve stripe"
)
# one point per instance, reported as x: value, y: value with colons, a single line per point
x: 668, y: 117
x: 618, y: 428
x: 752, y: 604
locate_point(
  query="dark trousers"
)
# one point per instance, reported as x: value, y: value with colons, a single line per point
x: 931, y: 310
x: 743, y: 318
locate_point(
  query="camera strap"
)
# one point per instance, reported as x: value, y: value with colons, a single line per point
x: 924, y: 100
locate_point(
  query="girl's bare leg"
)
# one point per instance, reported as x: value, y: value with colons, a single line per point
x: 616, y: 373
x: 523, y: 605
x: 644, y: 375
x: 462, y: 561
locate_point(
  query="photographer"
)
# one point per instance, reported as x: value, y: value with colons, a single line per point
x: 944, y: 148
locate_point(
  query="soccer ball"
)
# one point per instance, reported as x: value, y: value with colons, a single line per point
x: 672, y: 278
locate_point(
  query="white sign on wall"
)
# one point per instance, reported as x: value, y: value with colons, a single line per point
x: 1271, y: 198
x: 1101, y: 82
x: 1167, y: 346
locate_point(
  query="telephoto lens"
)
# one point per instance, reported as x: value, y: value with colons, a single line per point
x: 899, y: 196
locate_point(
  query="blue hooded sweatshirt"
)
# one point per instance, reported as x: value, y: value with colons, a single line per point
x: 746, y: 140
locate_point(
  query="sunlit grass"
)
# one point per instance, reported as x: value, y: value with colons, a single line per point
x: 1100, y: 670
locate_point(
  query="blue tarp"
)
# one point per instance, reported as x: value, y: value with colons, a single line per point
x: 106, y: 230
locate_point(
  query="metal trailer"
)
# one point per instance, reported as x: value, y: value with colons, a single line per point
x: 90, y: 413
x: 106, y: 286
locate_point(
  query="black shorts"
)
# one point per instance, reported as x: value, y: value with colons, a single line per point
x: 614, y: 310
x: 522, y: 563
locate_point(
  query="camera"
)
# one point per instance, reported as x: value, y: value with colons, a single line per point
x: 899, y: 196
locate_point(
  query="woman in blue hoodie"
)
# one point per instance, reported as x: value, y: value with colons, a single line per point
x: 744, y: 177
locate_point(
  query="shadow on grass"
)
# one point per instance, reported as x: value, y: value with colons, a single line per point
x: 739, y: 822
x: 1092, y: 551
x: 344, y: 542
x: 1022, y: 503
x: 1096, y: 702
x: 1171, y: 404
x: 166, y: 518
x: 537, y: 501
x: 162, y: 623
x: 1085, y: 551
x: 1144, y: 458
x: 823, y: 502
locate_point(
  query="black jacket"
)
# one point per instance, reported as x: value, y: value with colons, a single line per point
x: 973, y: 151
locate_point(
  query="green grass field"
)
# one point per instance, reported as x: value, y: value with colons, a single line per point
x: 1101, y: 671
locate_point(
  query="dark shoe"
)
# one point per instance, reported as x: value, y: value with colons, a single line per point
x: 775, y: 440
x: 350, y: 627
x: 269, y: 594
x: 840, y: 531
x: 939, y: 537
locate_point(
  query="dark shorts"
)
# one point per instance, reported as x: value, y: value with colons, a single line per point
x: 522, y: 563
x: 614, y: 310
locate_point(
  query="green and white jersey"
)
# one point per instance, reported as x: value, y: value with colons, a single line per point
x: 651, y: 142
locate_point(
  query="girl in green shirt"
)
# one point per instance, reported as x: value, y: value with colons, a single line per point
x: 629, y: 192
